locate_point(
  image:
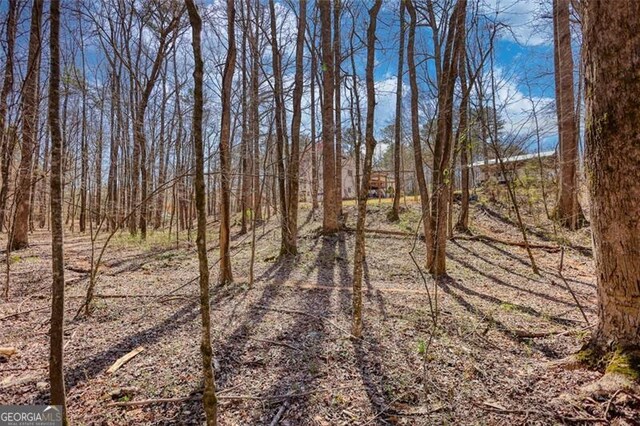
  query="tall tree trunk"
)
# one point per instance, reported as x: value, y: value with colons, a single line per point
x: 611, y: 45
x: 395, y: 209
x: 462, y: 224
x: 358, y: 114
x: 415, y: 127
x: 20, y: 238
x: 56, y: 372
x: 255, y: 114
x: 162, y: 148
x: 314, y: 149
x: 226, y: 275
x: 329, y: 203
x: 337, y: 55
x: 245, y: 151
x: 567, y: 212
x: 84, y: 144
x: 6, y: 137
x: 454, y: 48
x: 359, y: 253
x: 285, y: 240
x: 294, y: 159
x: 209, y: 399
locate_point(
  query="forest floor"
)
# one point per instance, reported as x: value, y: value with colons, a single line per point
x: 283, y: 353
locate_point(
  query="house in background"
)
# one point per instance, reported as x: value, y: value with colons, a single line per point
x: 381, y: 184
x: 348, y: 175
x: 516, y: 166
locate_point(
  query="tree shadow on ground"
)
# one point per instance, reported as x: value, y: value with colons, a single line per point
x: 308, y: 333
x: 503, y: 283
x: 497, y: 301
x: 448, y: 284
x: 95, y: 364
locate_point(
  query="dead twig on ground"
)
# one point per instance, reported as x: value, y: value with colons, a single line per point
x: 481, y: 237
x: 273, y: 342
x: 145, y: 402
x: 23, y: 312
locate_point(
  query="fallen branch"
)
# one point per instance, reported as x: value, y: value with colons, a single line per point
x: 480, y: 237
x: 8, y: 351
x: 124, y: 359
x: 144, y: 402
x: 273, y: 342
x: 278, y: 416
x: 23, y: 312
x: 384, y: 232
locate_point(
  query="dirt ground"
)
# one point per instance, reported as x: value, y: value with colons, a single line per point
x: 282, y: 348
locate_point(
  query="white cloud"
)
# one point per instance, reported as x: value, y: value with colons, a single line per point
x: 524, y: 19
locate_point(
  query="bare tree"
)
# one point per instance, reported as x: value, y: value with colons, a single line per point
x: 226, y: 275
x: 567, y: 212
x: 209, y: 398
x: 393, y: 214
x: 6, y: 140
x: 611, y: 41
x: 415, y: 127
x: 337, y: 62
x: 329, y: 203
x: 359, y: 254
x: 441, y: 174
x: 19, y: 237
x: 56, y: 363
x: 294, y: 159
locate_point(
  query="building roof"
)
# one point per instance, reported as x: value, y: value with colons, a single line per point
x: 515, y: 158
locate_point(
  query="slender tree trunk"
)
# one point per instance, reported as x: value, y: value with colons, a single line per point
x: 314, y: 149
x: 84, y: 144
x: 358, y: 112
x: 294, y: 159
x: 245, y: 151
x: 226, y: 275
x: 7, y: 137
x: 359, y: 254
x: 611, y: 45
x: 441, y: 175
x: 462, y: 224
x: 337, y: 55
x: 329, y: 203
x: 395, y: 209
x: 20, y: 238
x: 56, y: 372
x: 415, y: 128
x: 255, y: 114
x: 209, y: 399
x: 567, y: 212
x: 285, y: 241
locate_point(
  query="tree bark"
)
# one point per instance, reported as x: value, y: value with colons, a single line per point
x: 611, y: 45
x: 20, y: 238
x: 393, y: 215
x: 337, y: 61
x: 359, y: 254
x: 441, y: 174
x: 314, y: 153
x: 209, y: 399
x: 285, y: 231
x: 226, y: 275
x: 330, y: 220
x: 296, y: 118
x: 415, y: 127
x: 6, y: 137
x: 56, y: 373
x: 567, y: 212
